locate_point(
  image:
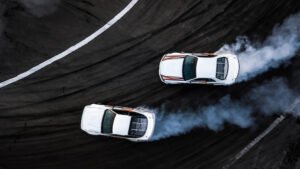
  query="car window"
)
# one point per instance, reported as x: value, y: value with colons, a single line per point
x: 222, y: 68
x: 189, y: 67
x: 203, y: 79
x: 138, y: 126
x: 108, y: 121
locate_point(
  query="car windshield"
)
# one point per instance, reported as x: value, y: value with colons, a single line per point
x: 189, y: 67
x: 108, y: 121
x: 222, y: 68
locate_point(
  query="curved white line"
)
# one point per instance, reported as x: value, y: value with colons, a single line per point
x: 70, y: 49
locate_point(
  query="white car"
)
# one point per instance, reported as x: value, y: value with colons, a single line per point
x: 121, y: 122
x: 199, y: 68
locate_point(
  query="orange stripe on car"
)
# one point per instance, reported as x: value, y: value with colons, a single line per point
x: 172, y: 78
x: 169, y: 57
x: 127, y: 109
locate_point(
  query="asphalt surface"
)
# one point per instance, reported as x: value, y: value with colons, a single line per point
x: 40, y: 115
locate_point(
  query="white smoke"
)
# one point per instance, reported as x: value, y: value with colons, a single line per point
x: 40, y: 8
x: 280, y: 46
x: 212, y: 117
x: 272, y: 97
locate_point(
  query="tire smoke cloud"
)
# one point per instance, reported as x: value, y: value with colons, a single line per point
x: 280, y: 46
x: 272, y: 97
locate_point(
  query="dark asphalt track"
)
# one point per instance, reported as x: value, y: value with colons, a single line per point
x: 40, y: 115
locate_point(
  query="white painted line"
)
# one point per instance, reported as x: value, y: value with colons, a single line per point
x: 275, y: 123
x: 72, y: 48
x: 259, y: 137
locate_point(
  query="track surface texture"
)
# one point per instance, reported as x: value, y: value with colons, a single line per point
x: 40, y: 115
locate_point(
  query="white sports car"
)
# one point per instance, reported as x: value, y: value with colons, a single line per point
x: 199, y: 68
x: 122, y: 122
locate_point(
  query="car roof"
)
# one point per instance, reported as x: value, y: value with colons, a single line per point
x: 121, y: 125
x: 206, y: 67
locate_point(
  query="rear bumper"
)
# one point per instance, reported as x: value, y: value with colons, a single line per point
x: 159, y: 69
x: 234, y: 68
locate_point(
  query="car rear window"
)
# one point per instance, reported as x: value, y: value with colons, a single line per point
x: 138, y: 126
x: 189, y: 67
x: 108, y: 121
x: 222, y: 68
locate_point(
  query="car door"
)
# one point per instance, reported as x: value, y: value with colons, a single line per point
x: 202, y: 81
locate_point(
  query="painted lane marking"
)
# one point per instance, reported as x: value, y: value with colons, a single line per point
x: 274, y: 124
x: 70, y: 49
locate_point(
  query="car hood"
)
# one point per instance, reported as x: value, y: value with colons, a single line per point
x: 91, y: 119
x: 171, y: 67
x: 121, y: 125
